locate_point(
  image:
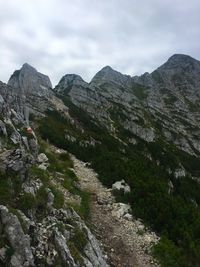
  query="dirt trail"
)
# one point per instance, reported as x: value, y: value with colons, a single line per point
x: 120, y: 238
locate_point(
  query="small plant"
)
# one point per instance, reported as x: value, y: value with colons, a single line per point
x: 26, y: 202
x: 58, y: 197
x: 79, y: 239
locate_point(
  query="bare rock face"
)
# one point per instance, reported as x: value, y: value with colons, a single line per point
x: 64, y: 250
x: 25, y: 239
x: 68, y: 81
x: 20, y: 242
x: 107, y: 74
x: 30, y: 81
x: 31, y: 89
x: 164, y: 103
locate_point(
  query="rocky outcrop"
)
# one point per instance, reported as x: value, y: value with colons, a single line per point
x: 29, y: 81
x: 20, y: 243
x: 33, y: 230
x: 29, y: 91
x: 121, y: 186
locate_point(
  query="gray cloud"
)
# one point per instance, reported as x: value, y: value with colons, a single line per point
x: 82, y: 36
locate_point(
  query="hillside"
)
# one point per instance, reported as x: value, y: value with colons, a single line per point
x: 143, y: 130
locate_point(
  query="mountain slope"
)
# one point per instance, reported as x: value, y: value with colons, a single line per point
x: 39, y: 191
x: 144, y: 130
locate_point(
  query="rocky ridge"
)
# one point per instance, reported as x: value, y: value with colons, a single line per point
x: 170, y: 92
x: 38, y: 227
x: 155, y: 115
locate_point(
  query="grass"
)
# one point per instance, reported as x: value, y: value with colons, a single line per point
x: 58, y: 197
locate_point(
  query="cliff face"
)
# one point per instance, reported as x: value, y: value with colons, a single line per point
x: 30, y: 81
x: 31, y: 88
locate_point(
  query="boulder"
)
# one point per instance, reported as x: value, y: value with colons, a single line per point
x: 42, y: 158
x: 121, y: 186
x: 43, y: 166
x: 120, y: 210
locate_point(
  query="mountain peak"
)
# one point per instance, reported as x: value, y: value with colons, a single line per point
x: 177, y: 61
x: 27, y: 66
x: 109, y: 75
x: 180, y: 56
x: 107, y: 68
x: 68, y: 81
x: 29, y: 80
x: 72, y: 77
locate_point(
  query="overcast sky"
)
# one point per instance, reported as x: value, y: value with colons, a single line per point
x: 82, y: 36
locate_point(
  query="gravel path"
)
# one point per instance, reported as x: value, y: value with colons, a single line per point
x: 124, y: 244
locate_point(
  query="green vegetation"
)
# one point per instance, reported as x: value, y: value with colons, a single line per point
x: 26, y: 202
x: 157, y: 77
x: 77, y: 243
x: 75, y: 253
x: 168, y: 254
x: 84, y: 208
x: 58, y: 197
x: 10, y: 187
x: 174, y: 216
x: 140, y: 91
x: 79, y: 239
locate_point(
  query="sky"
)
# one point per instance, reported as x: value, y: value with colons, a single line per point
x: 82, y: 36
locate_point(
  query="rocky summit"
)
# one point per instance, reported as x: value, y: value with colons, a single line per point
x: 99, y: 174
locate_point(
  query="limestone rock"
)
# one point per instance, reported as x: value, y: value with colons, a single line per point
x: 120, y: 210
x: 121, y: 186
x: 63, y: 249
x: 20, y: 242
x: 42, y: 158
x: 29, y: 81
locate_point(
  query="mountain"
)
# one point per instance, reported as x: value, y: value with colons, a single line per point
x: 29, y: 80
x: 141, y: 133
x: 38, y: 185
x: 141, y: 102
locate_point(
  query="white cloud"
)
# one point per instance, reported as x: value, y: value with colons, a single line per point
x: 82, y: 36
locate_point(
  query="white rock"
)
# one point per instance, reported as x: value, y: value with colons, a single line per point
x: 121, y: 186
x: 43, y: 166
x: 120, y: 209
x: 128, y: 217
x: 42, y: 158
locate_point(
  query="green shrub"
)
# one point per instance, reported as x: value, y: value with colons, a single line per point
x: 26, y: 202
x: 79, y: 239
x: 172, y: 215
x: 168, y: 254
x: 5, y: 190
x: 58, y: 197
x: 75, y: 253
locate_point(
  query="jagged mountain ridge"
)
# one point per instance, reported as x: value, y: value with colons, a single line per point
x: 38, y: 226
x: 171, y: 91
x: 140, y: 123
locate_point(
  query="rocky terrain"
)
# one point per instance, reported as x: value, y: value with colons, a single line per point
x: 38, y: 225
x: 126, y: 240
x: 140, y: 138
x: 169, y: 97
